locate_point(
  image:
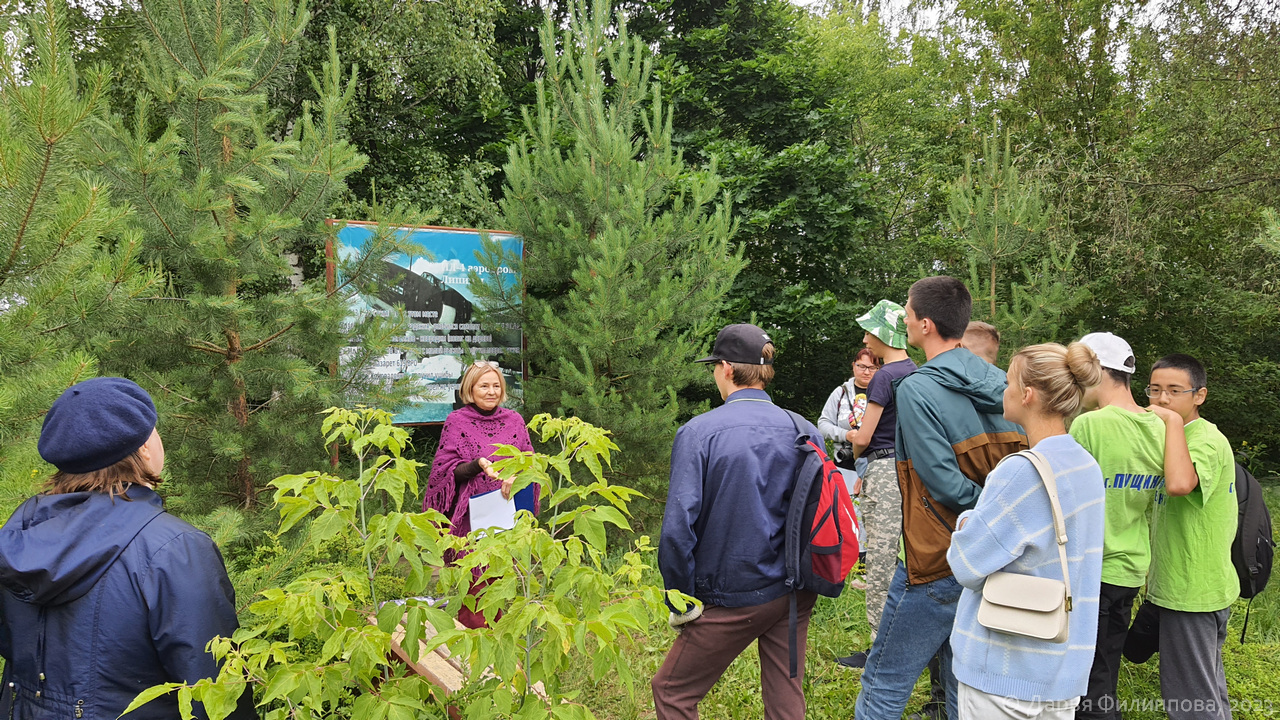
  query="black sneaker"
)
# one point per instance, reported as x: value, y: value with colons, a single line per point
x: 856, y: 660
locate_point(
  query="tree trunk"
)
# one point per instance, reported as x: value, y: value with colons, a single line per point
x: 239, y: 407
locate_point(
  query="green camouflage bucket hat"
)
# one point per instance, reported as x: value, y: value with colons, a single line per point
x: 887, y: 321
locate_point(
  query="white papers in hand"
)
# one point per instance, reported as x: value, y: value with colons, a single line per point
x: 490, y: 510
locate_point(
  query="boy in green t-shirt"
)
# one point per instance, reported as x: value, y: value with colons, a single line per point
x: 1128, y: 443
x: 1193, y: 524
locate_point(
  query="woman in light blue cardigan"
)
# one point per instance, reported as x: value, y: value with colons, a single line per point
x: 1003, y: 675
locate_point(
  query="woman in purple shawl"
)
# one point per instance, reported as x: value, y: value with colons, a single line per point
x: 463, y: 466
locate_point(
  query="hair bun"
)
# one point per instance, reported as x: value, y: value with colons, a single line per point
x: 1083, y: 363
x: 1061, y: 374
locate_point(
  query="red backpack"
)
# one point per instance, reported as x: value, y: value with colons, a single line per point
x: 821, y: 530
x: 821, y: 533
x: 832, y: 525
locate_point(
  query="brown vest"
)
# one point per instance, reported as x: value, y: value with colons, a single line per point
x: 926, y: 523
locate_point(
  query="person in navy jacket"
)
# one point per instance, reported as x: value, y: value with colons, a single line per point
x: 104, y: 593
x: 732, y: 470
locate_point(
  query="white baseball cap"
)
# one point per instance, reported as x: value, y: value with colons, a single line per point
x: 1112, y: 351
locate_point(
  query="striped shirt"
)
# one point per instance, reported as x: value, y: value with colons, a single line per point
x: 1011, y: 530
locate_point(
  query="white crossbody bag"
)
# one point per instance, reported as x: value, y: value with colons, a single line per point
x: 1033, y: 607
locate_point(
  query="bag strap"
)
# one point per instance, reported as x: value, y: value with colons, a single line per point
x: 1041, y: 464
x: 793, y: 652
x: 850, y: 397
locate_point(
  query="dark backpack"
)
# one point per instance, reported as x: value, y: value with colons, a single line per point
x: 821, y: 531
x: 1253, y: 548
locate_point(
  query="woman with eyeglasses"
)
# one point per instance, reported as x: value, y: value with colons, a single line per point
x: 842, y: 415
x: 463, y: 465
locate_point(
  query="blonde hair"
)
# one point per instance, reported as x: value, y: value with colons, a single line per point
x: 749, y: 375
x: 112, y: 479
x: 983, y: 340
x: 1061, y: 374
x: 472, y: 376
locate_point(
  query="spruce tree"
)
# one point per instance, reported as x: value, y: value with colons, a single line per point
x: 68, y: 265
x: 627, y: 248
x: 239, y: 358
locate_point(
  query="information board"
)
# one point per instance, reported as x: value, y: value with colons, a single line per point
x: 433, y: 289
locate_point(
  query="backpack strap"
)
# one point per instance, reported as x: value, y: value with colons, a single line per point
x: 793, y: 622
x: 1252, y: 514
x: 1245, y: 629
x: 794, y: 422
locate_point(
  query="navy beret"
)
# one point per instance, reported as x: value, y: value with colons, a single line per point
x: 96, y: 424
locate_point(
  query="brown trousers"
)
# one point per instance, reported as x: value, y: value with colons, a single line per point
x: 705, y: 648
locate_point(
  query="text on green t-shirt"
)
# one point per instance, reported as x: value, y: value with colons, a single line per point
x: 1129, y: 447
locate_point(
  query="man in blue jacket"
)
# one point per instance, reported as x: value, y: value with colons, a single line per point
x: 732, y: 471
x: 951, y: 433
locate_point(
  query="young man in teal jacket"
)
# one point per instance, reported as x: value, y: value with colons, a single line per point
x: 951, y: 433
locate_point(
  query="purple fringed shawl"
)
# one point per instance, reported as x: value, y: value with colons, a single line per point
x: 468, y: 435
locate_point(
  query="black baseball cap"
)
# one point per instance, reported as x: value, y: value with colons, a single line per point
x: 741, y: 343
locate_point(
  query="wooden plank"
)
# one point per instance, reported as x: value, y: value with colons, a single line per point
x: 429, y: 632
x: 439, y: 666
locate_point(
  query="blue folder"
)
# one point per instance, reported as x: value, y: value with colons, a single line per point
x: 524, y: 499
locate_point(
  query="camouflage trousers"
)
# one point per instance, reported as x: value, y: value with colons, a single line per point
x: 882, y: 513
x: 850, y: 477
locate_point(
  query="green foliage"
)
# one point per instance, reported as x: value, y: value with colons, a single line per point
x: 1022, y: 281
x: 627, y: 257
x: 1168, y: 227
x: 320, y: 645
x: 421, y: 63
x: 837, y: 136
x: 69, y: 265
x: 238, y: 356
x: 884, y: 109
x: 753, y: 103
x: 1050, y: 68
x: 1001, y: 218
x: 1159, y: 165
x: 1270, y: 236
x: 1251, y: 456
x: 1040, y: 307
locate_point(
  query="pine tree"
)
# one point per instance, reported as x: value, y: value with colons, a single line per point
x: 999, y: 215
x: 68, y: 265
x: 239, y: 358
x: 627, y: 253
x: 1022, y: 273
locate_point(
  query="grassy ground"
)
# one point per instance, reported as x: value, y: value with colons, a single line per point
x: 839, y: 626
